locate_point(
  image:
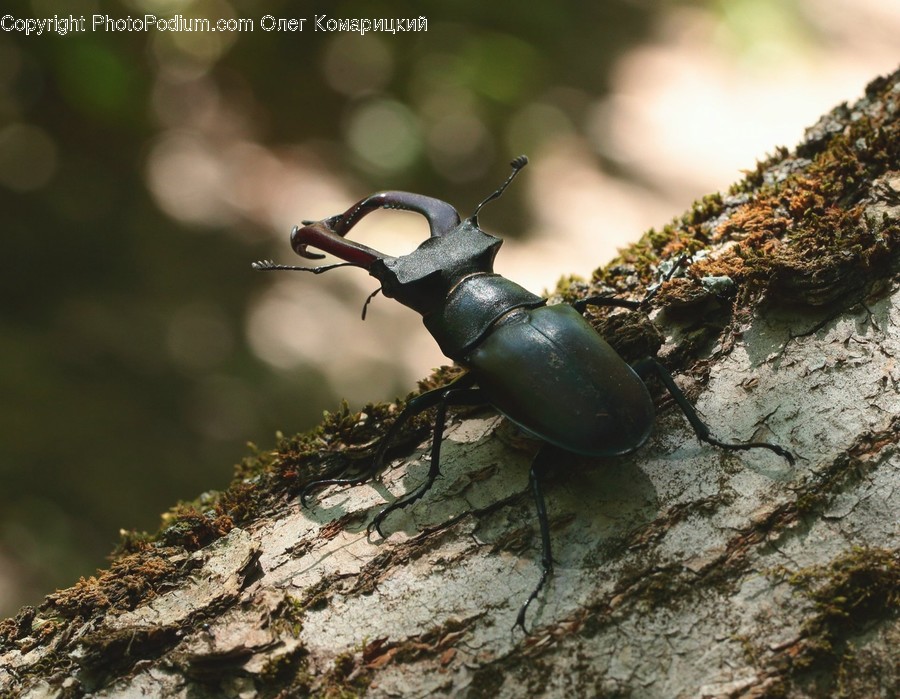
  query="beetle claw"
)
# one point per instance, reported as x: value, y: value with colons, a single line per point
x: 375, y: 526
x: 305, y: 493
x: 520, y: 620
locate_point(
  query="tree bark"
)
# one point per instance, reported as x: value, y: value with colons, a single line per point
x: 680, y: 570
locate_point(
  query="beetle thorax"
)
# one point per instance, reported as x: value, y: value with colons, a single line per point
x: 423, y: 279
x: 450, y: 280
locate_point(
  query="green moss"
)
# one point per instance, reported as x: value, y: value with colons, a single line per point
x: 130, y: 580
x: 288, y: 616
x: 703, y: 210
x: 344, y: 441
x: 143, y: 563
x: 755, y: 178
x: 290, y: 670
x: 855, y: 591
x: 486, y: 682
x: 191, y: 527
x: 347, y: 679
x: 316, y: 596
x: 441, y: 376
x: 16, y: 628
x: 257, y: 463
x: 795, y: 223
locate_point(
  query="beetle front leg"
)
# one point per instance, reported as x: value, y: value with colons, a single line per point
x: 582, y: 304
x: 448, y: 396
x: 417, y: 405
x: 649, y: 365
x: 609, y: 300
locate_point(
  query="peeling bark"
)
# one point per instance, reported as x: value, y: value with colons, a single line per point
x: 681, y: 570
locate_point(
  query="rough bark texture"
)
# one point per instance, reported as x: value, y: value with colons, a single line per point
x: 681, y: 570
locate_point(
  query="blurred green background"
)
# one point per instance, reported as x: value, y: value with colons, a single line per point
x: 142, y: 172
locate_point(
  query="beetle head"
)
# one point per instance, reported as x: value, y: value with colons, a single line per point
x: 423, y: 278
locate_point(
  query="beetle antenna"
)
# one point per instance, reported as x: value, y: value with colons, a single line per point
x: 516, y: 164
x: 268, y: 266
x: 368, y: 300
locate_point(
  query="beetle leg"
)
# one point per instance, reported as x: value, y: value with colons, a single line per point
x: 534, y: 481
x: 646, y: 366
x: 419, y: 404
x: 582, y: 304
x: 609, y: 300
x: 448, y: 396
x: 653, y: 290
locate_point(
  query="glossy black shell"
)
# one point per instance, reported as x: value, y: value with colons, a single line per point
x: 548, y: 371
x: 543, y: 367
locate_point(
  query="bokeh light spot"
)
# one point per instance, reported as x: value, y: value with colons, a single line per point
x: 186, y: 179
x: 500, y: 68
x: 96, y: 79
x: 385, y: 135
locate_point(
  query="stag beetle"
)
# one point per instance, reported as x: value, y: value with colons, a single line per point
x: 542, y: 366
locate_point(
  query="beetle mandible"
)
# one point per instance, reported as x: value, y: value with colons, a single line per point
x: 542, y: 366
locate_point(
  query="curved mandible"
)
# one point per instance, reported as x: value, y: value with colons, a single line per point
x: 442, y: 218
x: 320, y: 235
x: 328, y: 234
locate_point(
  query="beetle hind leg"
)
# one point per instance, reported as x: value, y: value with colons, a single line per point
x: 534, y: 482
x: 648, y: 366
